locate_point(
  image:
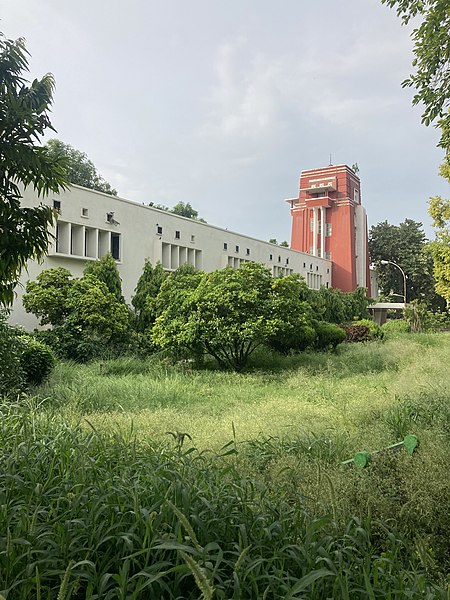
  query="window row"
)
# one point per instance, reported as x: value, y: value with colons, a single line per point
x: 173, y: 256
x: 86, y: 242
x: 159, y: 231
x: 313, y: 281
x: 328, y: 227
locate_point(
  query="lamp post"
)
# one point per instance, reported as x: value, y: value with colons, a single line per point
x: 390, y: 262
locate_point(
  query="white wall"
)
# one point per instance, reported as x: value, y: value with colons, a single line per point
x: 182, y: 240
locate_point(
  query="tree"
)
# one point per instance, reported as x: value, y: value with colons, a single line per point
x: 174, y: 306
x: 284, y: 244
x: 79, y: 169
x: 105, y: 269
x: 87, y: 318
x: 432, y: 60
x: 181, y: 208
x: 47, y: 297
x: 439, y: 210
x: 231, y: 312
x: 145, y: 294
x: 406, y: 245
x: 24, y: 108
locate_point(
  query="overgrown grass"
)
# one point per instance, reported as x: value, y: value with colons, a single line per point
x: 95, y: 516
x: 279, y: 507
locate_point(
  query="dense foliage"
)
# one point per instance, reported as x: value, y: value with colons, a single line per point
x: 431, y: 79
x: 106, y: 517
x: 105, y: 270
x: 145, y: 294
x: 24, y: 118
x: 78, y: 168
x: 406, y: 245
x: 439, y: 210
x: 88, y: 319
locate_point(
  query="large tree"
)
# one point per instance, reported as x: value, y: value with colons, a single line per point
x: 79, y: 169
x: 405, y: 245
x: 24, y: 118
x: 145, y: 294
x: 231, y: 312
x: 431, y: 78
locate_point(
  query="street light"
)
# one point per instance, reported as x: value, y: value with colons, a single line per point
x: 390, y: 262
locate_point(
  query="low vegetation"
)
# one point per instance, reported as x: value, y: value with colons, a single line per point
x: 134, y: 478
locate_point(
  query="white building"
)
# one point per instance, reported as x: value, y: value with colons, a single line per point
x: 91, y: 224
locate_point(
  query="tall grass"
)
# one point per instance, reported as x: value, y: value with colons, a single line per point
x: 98, y: 516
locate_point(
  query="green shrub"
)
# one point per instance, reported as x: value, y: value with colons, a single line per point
x: 329, y: 336
x: 11, y: 375
x: 36, y: 359
x: 356, y: 333
x: 375, y: 331
x: 395, y: 326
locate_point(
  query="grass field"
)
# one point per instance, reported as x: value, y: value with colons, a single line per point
x: 98, y: 501
x: 353, y: 394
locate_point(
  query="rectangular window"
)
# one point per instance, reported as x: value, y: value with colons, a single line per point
x: 85, y: 213
x: 192, y: 238
x: 270, y: 256
x: 237, y: 249
x: 317, y: 267
x: 328, y: 255
x: 177, y: 235
x: 356, y: 196
x: 159, y: 230
x: 115, y: 245
x: 225, y: 246
x: 57, y: 205
x: 247, y: 252
x: 311, y: 224
x: 328, y: 229
x: 287, y: 261
x: 319, y: 226
x: 304, y: 265
x: 311, y: 249
x: 310, y: 267
x: 279, y: 259
x: 328, y: 270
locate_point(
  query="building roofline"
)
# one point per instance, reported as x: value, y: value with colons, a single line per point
x: 165, y: 212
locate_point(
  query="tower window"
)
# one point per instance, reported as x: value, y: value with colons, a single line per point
x: 177, y: 235
x: 328, y: 229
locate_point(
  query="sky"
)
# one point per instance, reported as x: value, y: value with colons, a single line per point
x: 223, y: 103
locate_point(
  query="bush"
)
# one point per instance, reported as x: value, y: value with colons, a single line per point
x: 36, y: 360
x: 395, y: 326
x: 356, y: 333
x: 329, y: 336
x: 375, y: 331
x: 11, y: 375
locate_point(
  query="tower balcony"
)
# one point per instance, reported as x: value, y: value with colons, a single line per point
x: 324, y: 201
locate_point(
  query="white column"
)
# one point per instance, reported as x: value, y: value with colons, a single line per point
x: 315, y: 220
x: 322, y: 231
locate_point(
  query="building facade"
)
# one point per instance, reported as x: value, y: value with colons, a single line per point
x: 329, y: 221
x: 91, y: 224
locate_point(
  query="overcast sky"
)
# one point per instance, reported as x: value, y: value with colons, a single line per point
x: 223, y: 103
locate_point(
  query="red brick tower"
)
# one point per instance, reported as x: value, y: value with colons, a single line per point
x: 328, y: 220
